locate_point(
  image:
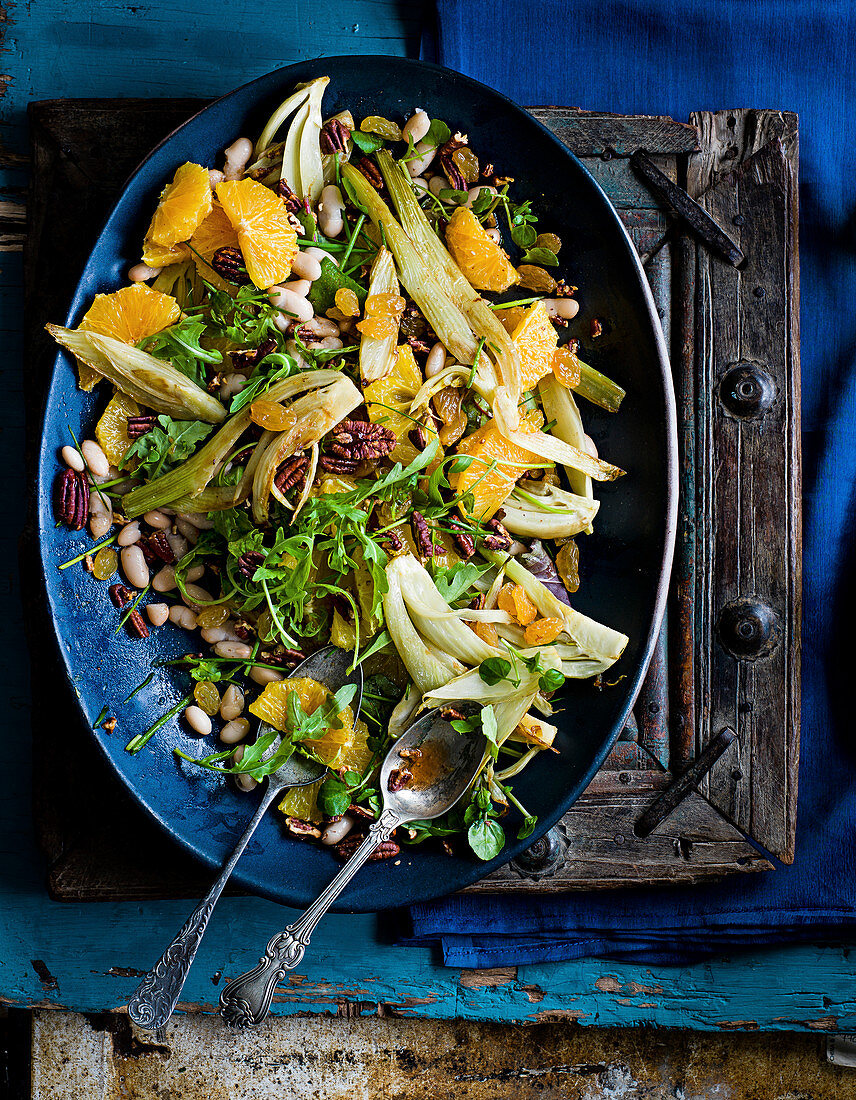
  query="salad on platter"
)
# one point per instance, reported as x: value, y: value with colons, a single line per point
x: 342, y: 409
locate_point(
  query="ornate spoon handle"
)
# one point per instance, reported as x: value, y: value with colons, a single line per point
x: 246, y: 1000
x: 155, y: 998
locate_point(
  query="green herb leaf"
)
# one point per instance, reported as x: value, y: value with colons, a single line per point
x: 552, y: 680
x: 541, y: 256
x: 486, y: 838
x: 527, y: 827
x: 273, y: 368
x: 494, y: 669
x: 450, y: 194
x: 366, y: 143
x: 438, y: 133
x: 334, y: 796
x: 322, y: 293
x: 523, y: 235
x: 454, y: 581
x: 169, y: 443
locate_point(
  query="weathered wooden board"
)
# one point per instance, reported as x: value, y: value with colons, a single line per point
x: 595, y: 843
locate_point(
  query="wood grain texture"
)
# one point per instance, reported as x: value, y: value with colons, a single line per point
x: 593, y: 133
x: 749, y: 473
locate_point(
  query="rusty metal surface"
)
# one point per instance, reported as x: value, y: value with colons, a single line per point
x: 102, y: 1058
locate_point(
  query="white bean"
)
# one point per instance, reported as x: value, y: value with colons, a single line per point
x: 178, y: 545
x: 129, y: 534
x: 196, y: 597
x: 158, y: 613
x: 427, y: 151
x: 195, y: 573
x: 215, y: 176
x: 186, y: 528
x: 321, y: 326
x: 214, y: 634
x: 246, y: 782
x: 99, y: 504
x: 238, y: 650
x: 290, y: 303
x: 336, y: 830
x: 182, y: 616
x: 164, y: 579
x: 591, y: 446
x: 198, y: 720
x: 95, y: 458
x: 232, y: 384
x: 134, y: 566
x: 232, y: 703
x: 305, y: 266
x: 416, y: 126
x: 436, y: 360
x: 329, y: 343
x: 319, y: 254
x: 437, y: 184
x: 158, y: 520
x: 494, y: 235
x: 71, y: 457
x: 198, y: 519
x: 298, y: 286
x: 100, y: 525
x: 566, y: 308
x: 237, y: 158
x: 235, y: 731
x: 141, y: 273
x: 420, y: 187
x: 330, y: 210
x: 264, y: 675
x: 474, y: 193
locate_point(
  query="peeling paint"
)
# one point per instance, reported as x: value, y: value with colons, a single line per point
x: 608, y: 984
x: 488, y: 979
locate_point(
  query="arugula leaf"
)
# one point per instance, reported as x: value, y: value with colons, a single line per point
x: 279, y: 366
x: 486, y: 838
x: 245, y: 319
x: 453, y: 581
x: 449, y: 194
x: 169, y: 443
x: 541, y: 256
x: 366, y: 143
x: 180, y: 345
x: 334, y: 796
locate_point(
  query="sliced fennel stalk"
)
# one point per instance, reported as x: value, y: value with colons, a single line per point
x: 551, y: 514
x: 193, y: 476
x: 153, y: 382
x: 377, y: 354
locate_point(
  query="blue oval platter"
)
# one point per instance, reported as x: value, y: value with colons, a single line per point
x: 625, y: 563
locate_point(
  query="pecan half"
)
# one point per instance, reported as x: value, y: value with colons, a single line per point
x: 148, y: 553
x: 291, y: 473
x: 159, y: 545
x: 451, y: 715
x: 360, y: 811
x: 249, y: 562
x: 139, y: 425
x: 399, y: 779
x: 297, y: 827
x: 245, y: 361
x: 418, y: 437
x: 410, y: 754
x: 71, y: 499
x: 453, y: 173
x: 390, y: 540
x: 418, y: 344
x: 595, y: 328
x: 346, y: 848
x: 464, y: 542
x: 333, y: 464
x: 243, y: 629
x: 285, y: 658
x: 136, y: 626
x: 292, y: 202
x: 358, y: 440
x: 371, y: 171
x: 334, y: 136
x: 422, y: 534
x: 229, y: 264
x: 496, y: 538
x: 119, y: 595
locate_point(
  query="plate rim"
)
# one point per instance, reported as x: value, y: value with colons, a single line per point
x: 478, y: 870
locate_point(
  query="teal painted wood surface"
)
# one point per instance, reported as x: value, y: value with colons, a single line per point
x: 87, y: 957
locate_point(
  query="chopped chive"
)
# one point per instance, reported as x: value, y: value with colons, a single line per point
x: 141, y: 739
x: 130, y: 611
x: 517, y: 302
x: 86, y: 553
x: 139, y: 687
x: 352, y: 240
x: 101, y: 716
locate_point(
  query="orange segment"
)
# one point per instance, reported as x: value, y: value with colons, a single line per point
x: 388, y: 401
x: 129, y: 314
x: 536, y: 342
x: 265, y: 235
x: 181, y: 207
x: 214, y: 233
x: 513, y: 599
x: 302, y: 802
x: 111, y: 431
x: 159, y: 255
x: 496, y: 466
x: 481, y: 259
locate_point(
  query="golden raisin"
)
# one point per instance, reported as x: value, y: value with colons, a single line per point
x: 336, y: 314
x: 568, y: 565
x: 207, y: 696
x: 566, y: 367
x: 378, y: 327
x: 549, y: 241
x: 347, y: 302
x: 212, y: 617
x: 485, y: 631
x: 105, y: 563
x: 383, y: 304
x: 467, y: 163
x: 383, y: 127
x: 513, y: 599
x: 273, y: 417
x: 543, y: 631
x: 536, y: 278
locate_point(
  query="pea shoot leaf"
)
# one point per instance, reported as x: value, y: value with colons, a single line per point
x: 366, y: 143
x: 486, y: 838
x: 541, y: 256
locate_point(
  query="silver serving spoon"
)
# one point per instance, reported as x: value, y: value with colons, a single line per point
x: 156, y: 996
x: 442, y: 770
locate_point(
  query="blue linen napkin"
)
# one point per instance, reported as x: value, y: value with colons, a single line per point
x: 655, y: 57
